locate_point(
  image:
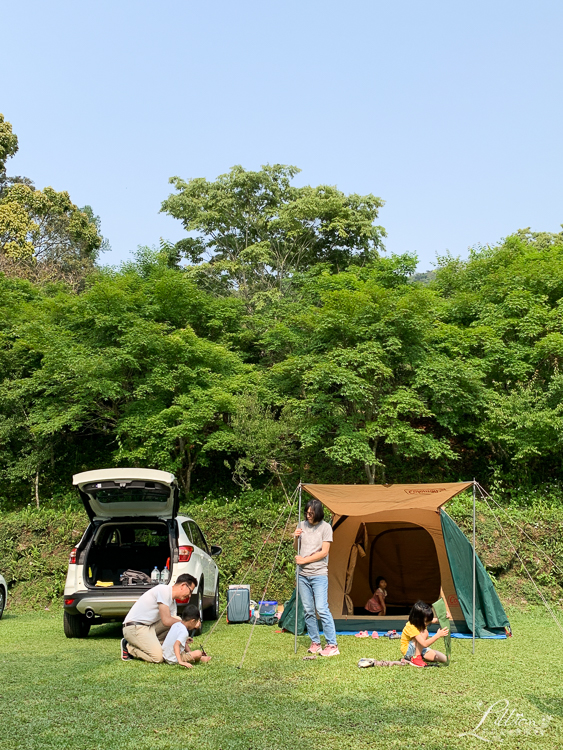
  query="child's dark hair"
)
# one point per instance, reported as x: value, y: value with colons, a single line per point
x: 378, y: 581
x: 191, y: 612
x: 421, y: 614
x: 318, y: 511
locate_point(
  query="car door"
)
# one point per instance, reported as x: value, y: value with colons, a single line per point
x: 208, y: 564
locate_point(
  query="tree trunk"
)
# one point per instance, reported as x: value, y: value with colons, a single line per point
x: 37, y: 488
x: 371, y: 469
x: 189, y: 463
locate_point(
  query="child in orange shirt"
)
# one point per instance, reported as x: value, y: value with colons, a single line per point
x: 415, y: 641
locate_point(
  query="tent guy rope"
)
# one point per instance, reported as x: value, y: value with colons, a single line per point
x: 291, y: 502
x: 268, y: 581
x: 483, y: 494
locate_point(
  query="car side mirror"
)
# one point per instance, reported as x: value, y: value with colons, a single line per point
x: 215, y: 550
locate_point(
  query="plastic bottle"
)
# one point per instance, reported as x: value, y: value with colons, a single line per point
x: 165, y: 575
x: 155, y: 575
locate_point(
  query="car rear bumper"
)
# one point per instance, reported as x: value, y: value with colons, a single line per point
x: 103, y: 604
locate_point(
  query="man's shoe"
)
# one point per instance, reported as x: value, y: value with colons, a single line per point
x: 125, y: 655
x: 314, y: 648
x: 417, y: 661
x: 330, y: 651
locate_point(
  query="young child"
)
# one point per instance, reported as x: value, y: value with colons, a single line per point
x: 415, y: 641
x: 175, y: 648
x: 376, y: 605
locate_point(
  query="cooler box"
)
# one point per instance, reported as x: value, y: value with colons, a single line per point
x: 268, y: 608
x: 238, y: 603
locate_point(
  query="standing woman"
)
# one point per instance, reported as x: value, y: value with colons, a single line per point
x: 316, y: 537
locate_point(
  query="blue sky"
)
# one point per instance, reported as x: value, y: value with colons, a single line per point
x: 451, y: 112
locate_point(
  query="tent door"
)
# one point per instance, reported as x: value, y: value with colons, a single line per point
x: 406, y: 557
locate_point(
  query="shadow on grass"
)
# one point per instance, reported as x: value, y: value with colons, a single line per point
x: 109, y: 630
x: 113, y: 630
x: 9, y: 616
x: 547, y: 704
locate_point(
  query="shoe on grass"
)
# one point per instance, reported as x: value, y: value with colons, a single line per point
x: 331, y: 650
x: 417, y: 661
x: 375, y: 634
x: 125, y: 655
x: 314, y: 648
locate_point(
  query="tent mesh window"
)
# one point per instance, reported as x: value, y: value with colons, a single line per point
x: 407, y: 559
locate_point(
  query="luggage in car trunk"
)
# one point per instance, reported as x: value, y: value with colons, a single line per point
x: 121, y: 546
x: 238, y: 603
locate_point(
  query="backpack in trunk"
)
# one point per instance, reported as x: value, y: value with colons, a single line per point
x: 134, y: 578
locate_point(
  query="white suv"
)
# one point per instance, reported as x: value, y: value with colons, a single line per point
x: 133, y: 526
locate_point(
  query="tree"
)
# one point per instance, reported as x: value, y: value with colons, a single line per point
x: 105, y: 375
x: 8, y: 147
x: 351, y: 348
x: 253, y: 229
x: 43, y: 235
x: 503, y: 317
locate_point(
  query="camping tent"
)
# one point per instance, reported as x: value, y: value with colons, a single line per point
x: 401, y: 532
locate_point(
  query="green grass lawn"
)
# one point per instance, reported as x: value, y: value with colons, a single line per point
x: 59, y: 693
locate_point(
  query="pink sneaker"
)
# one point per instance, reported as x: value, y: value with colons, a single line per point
x: 314, y: 648
x: 330, y: 651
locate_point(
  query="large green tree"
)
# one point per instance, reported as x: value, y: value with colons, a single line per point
x: 253, y: 229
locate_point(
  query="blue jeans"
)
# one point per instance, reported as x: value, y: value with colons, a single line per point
x: 411, y: 650
x: 313, y: 592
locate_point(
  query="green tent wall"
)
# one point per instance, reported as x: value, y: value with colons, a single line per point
x: 490, y: 617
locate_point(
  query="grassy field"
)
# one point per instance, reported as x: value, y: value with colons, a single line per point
x: 58, y: 693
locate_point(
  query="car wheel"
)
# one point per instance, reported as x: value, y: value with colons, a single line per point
x: 2, y: 601
x: 199, y: 605
x: 213, y: 611
x: 75, y: 626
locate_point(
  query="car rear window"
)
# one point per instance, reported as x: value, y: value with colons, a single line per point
x: 151, y: 537
x: 132, y: 492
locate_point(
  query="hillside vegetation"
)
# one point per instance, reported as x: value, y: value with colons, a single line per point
x: 35, y: 545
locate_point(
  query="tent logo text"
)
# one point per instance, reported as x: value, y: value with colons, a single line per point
x: 424, y: 492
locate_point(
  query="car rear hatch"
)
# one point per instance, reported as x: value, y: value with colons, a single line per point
x: 128, y: 493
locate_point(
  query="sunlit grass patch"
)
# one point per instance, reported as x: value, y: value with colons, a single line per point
x: 59, y: 693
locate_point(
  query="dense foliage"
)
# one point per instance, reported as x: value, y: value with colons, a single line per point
x: 287, y: 348
x: 355, y: 376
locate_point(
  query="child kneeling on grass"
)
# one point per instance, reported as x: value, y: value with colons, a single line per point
x: 415, y: 640
x: 175, y: 648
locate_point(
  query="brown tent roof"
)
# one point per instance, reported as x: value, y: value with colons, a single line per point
x: 365, y: 499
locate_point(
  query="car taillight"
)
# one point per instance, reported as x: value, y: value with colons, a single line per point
x: 184, y: 554
x: 72, y: 558
x: 69, y: 601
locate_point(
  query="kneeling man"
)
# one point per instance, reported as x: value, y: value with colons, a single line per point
x: 149, y: 619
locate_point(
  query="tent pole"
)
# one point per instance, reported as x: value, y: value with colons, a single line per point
x: 297, y: 572
x: 474, y: 555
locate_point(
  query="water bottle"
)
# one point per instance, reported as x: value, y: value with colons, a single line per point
x: 165, y: 575
x: 155, y: 575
